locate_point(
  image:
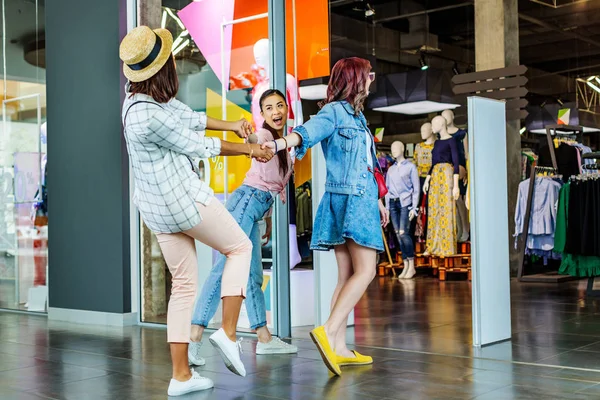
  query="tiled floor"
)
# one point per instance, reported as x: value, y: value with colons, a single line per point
x: 419, y: 334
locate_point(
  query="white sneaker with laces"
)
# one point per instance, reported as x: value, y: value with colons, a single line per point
x: 275, y: 346
x: 194, y: 384
x: 194, y: 357
x: 230, y: 351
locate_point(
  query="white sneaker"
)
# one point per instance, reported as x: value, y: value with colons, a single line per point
x: 275, y: 346
x: 194, y: 384
x: 194, y: 357
x: 230, y: 351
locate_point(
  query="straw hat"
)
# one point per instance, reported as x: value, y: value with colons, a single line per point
x: 144, y: 52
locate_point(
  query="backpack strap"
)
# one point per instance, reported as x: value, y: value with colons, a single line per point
x: 156, y: 104
x: 138, y: 102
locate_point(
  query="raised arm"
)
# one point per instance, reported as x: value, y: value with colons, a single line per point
x: 169, y: 132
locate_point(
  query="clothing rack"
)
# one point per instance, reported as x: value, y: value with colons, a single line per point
x: 522, y: 274
x: 593, y: 288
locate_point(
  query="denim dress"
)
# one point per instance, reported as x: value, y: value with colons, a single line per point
x: 349, y: 208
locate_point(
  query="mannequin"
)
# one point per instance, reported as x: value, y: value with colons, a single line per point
x: 443, y: 177
x: 40, y: 221
x: 422, y: 158
x: 262, y: 58
x: 423, y: 151
x: 461, y: 141
x: 402, y: 201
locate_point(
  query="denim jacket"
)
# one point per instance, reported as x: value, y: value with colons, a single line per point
x: 342, y: 137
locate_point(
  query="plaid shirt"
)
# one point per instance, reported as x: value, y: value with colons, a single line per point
x: 161, y: 139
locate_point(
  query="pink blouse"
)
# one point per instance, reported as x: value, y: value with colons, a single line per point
x: 266, y: 176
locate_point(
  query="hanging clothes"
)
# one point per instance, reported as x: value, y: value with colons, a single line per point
x: 441, y: 227
x: 569, y: 220
x: 542, y: 220
x: 566, y: 159
x: 422, y: 158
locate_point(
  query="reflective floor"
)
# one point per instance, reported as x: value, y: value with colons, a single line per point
x: 419, y: 334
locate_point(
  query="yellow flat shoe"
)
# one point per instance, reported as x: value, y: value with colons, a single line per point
x: 320, y: 338
x: 358, y: 360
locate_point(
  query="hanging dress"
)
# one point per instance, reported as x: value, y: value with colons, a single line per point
x: 441, y: 227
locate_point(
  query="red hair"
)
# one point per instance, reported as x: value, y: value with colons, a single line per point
x: 348, y: 82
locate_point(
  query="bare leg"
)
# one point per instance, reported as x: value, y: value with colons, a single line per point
x: 364, y: 263
x: 179, y: 357
x: 344, y: 262
x: 231, y: 312
x: 197, y: 332
x: 264, y: 336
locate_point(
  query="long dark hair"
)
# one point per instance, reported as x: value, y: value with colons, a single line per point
x: 162, y: 86
x: 282, y: 155
x: 348, y: 81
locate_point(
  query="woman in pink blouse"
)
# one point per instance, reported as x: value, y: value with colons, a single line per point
x: 249, y: 204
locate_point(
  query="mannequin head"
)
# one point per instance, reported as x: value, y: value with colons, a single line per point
x: 439, y: 125
x: 261, y: 54
x: 398, y: 150
x: 426, y: 131
x: 449, y: 117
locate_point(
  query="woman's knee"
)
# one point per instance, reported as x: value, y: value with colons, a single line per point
x: 368, y: 274
x: 243, y: 247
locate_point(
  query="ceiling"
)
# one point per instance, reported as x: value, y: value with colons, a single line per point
x: 556, y: 44
x: 563, y: 40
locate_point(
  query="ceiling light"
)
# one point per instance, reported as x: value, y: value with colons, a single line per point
x: 591, y: 78
x: 596, y: 88
x: 559, y: 101
x: 183, y: 45
x: 313, y: 92
x: 522, y: 131
x: 423, y: 62
x: 369, y: 11
x: 176, y: 18
x: 417, y: 107
x: 543, y: 104
x: 313, y: 89
x: 163, y: 22
x: 455, y: 68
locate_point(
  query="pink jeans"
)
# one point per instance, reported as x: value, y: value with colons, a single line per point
x: 220, y: 231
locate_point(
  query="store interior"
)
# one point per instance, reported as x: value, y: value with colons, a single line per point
x: 416, y: 48
x: 23, y: 223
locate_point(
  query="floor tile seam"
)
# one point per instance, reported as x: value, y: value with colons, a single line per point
x: 582, y: 348
x: 555, y: 355
x: 560, y: 333
x: 534, y: 364
x: 59, y: 363
x: 41, y: 396
x: 547, y: 390
x: 582, y: 391
x: 33, y: 391
x: 491, y: 391
x: 544, y: 375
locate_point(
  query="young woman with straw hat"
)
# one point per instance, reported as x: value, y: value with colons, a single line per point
x: 162, y: 135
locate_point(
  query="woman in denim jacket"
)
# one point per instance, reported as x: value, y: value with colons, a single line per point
x: 349, y: 215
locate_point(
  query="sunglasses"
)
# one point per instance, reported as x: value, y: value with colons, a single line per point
x: 372, y: 76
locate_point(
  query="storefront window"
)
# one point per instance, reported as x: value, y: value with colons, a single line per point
x: 23, y: 197
x: 200, y: 88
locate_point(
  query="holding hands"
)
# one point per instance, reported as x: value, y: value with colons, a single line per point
x: 242, y: 128
x: 261, y: 153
